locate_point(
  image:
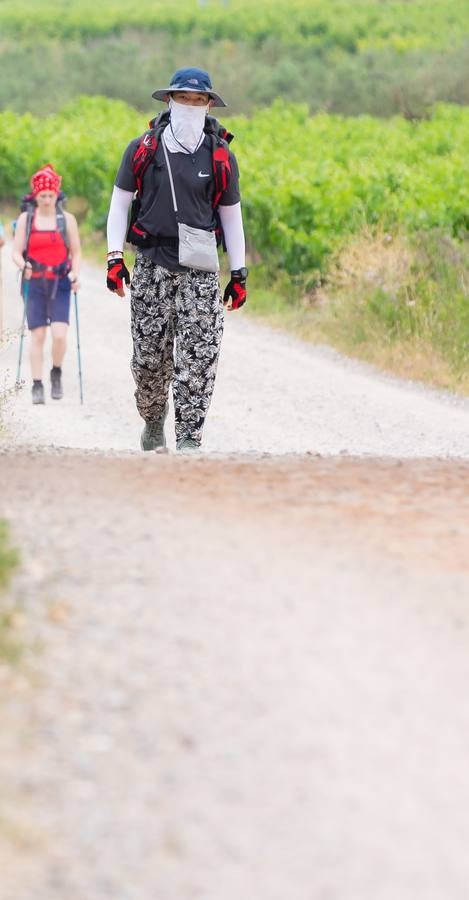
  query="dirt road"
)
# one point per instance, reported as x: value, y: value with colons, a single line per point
x: 245, y: 674
x: 274, y: 394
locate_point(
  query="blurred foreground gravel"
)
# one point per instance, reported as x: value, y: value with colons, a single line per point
x: 241, y: 678
x: 244, y: 673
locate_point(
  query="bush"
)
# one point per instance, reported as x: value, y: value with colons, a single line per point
x: 308, y: 183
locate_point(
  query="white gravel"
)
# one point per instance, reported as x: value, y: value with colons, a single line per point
x: 274, y: 393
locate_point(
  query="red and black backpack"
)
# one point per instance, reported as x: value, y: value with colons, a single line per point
x: 28, y: 205
x: 145, y: 153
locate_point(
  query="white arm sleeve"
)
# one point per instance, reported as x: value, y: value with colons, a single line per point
x: 232, y: 223
x: 117, y: 218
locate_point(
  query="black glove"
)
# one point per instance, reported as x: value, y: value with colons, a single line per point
x: 117, y: 272
x: 236, y: 288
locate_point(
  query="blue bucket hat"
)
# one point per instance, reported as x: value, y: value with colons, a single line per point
x: 190, y: 79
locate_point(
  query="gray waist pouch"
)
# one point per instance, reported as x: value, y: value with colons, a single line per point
x: 198, y: 248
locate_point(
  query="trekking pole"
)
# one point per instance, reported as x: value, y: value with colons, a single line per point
x: 25, y: 293
x: 78, y: 346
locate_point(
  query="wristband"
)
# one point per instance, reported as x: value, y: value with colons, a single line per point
x: 240, y: 274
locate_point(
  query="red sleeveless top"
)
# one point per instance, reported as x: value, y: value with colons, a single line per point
x: 48, y: 248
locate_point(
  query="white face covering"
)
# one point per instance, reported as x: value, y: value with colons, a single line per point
x: 186, y: 127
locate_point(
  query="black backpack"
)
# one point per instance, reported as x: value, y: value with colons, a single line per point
x: 143, y: 156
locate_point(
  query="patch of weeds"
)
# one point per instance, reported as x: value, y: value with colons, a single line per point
x: 278, y: 299
x: 397, y: 302
x: 9, y: 560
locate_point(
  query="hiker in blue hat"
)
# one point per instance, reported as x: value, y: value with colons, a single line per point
x: 182, y: 182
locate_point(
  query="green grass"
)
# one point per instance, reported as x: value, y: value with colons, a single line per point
x: 398, y: 302
x: 9, y: 559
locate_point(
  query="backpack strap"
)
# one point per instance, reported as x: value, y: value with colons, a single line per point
x: 62, y: 224
x: 221, y: 165
x: 141, y: 159
x: 215, y: 127
x: 144, y: 154
x: 29, y: 228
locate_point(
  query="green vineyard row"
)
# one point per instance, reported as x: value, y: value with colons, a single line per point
x: 341, y: 24
x: 307, y: 182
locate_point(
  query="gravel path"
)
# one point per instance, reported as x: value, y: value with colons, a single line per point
x: 244, y: 674
x: 274, y: 394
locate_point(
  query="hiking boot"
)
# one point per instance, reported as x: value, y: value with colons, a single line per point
x: 152, y: 437
x: 56, y: 390
x: 38, y: 392
x: 187, y: 445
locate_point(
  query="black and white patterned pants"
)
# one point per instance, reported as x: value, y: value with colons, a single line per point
x: 177, y: 327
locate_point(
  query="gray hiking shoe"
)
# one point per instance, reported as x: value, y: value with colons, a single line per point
x: 187, y: 445
x: 56, y: 389
x: 152, y: 437
x: 38, y: 392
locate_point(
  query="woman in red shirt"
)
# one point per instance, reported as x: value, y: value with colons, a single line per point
x: 51, y: 266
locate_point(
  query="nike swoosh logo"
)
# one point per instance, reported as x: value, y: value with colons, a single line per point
x: 204, y: 174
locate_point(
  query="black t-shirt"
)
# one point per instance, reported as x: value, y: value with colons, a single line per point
x: 194, y: 184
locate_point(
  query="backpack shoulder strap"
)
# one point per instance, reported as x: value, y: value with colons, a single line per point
x: 62, y: 224
x: 28, y: 206
x: 213, y: 126
x: 221, y: 165
x: 145, y: 153
x: 29, y: 228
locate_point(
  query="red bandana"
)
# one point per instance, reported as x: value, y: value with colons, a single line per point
x: 46, y: 179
